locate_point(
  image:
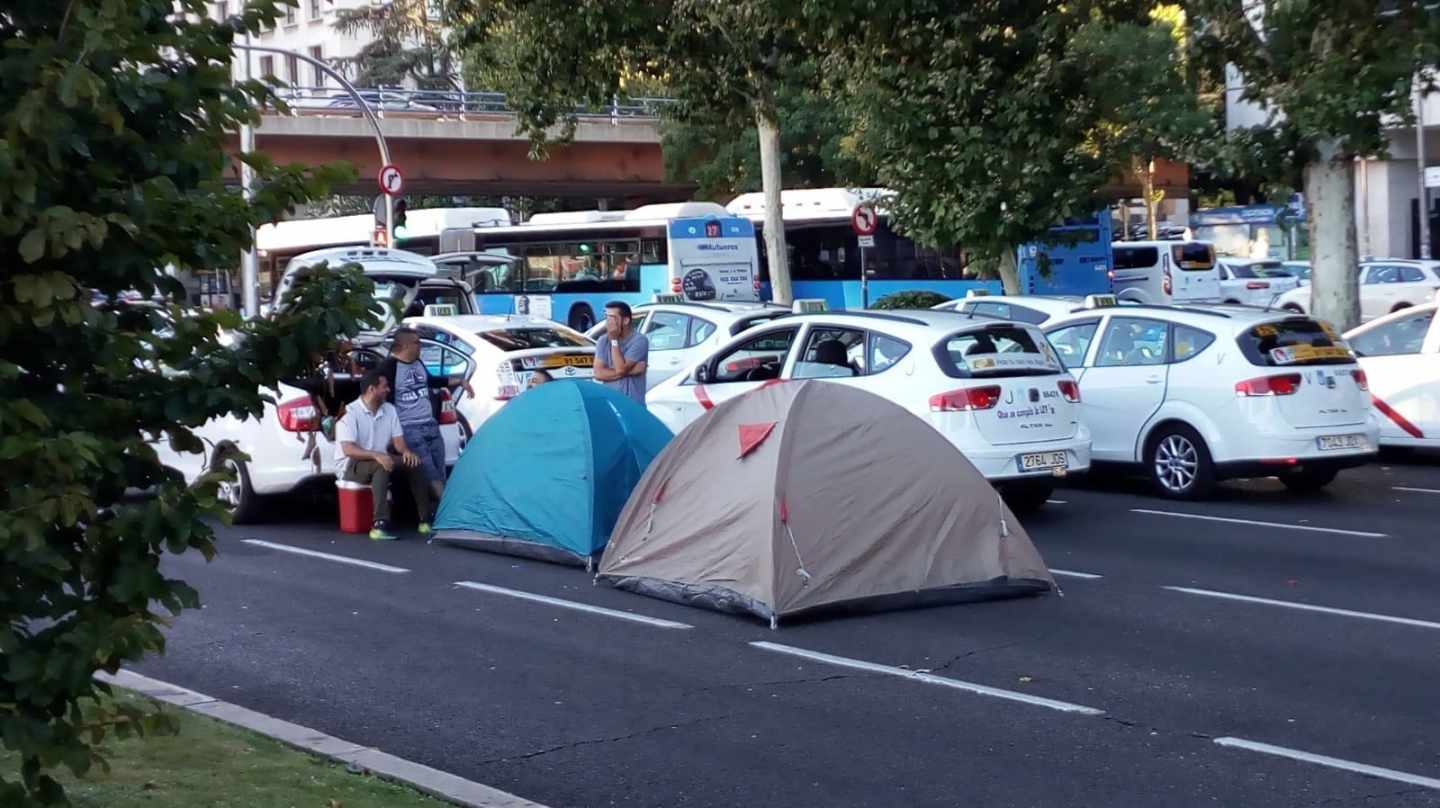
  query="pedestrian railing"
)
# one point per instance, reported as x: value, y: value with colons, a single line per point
x: 443, y: 103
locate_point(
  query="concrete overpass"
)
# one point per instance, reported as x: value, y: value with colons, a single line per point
x: 476, y: 153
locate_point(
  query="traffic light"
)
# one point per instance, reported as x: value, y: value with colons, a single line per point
x: 400, y: 207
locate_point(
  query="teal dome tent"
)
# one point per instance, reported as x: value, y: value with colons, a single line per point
x: 547, y: 476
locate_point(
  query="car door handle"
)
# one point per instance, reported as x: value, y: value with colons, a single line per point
x: 1154, y: 379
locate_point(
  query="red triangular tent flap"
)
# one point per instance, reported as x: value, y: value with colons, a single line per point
x: 752, y: 435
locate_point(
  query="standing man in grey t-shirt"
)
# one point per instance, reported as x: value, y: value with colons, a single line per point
x: 621, y: 354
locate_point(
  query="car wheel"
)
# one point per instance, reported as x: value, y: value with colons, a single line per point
x: 1232, y: 302
x: 1293, y: 307
x: 1179, y: 463
x: 1400, y: 307
x: 1027, y: 496
x: 582, y: 319
x: 1308, y: 480
x: 236, y: 494
x: 466, y: 433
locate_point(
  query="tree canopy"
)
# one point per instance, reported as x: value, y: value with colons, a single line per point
x: 407, y: 43
x: 115, y: 119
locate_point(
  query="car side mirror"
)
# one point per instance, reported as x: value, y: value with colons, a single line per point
x: 702, y: 374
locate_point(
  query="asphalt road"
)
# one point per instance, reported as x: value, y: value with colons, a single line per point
x: 1178, y: 649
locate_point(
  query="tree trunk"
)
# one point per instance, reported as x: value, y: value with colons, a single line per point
x: 771, y: 181
x: 1010, y: 272
x: 1330, y: 196
x: 1152, y: 200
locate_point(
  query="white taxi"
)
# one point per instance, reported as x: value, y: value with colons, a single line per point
x: 498, y: 354
x: 1194, y: 395
x: 1400, y: 354
x: 1033, y: 309
x: 1254, y: 281
x: 288, y: 448
x: 994, y: 389
x: 681, y: 332
x: 1386, y: 285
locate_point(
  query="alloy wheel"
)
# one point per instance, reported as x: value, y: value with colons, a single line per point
x: 1176, y: 462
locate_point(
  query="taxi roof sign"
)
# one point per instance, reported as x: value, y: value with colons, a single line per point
x: 442, y: 310
x: 808, y: 305
x: 977, y: 292
x: 1100, y: 301
x: 669, y: 298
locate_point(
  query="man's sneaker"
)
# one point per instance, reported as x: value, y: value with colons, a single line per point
x: 379, y: 532
x: 423, y: 529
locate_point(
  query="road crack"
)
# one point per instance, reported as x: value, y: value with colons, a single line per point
x: 596, y: 741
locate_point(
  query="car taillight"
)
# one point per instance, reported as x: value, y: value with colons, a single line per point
x: 447, y: 409
x: 1283, y: 385
x: 971, y: 398
x: 1070, y: 389
x: 299, y: 415
x: 1168, y: 284
x: 1257, y: 285
x: 675, y: 287
x: 1361, y: 380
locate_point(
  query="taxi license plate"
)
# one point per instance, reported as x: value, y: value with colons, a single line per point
x: 1037, y: 461
x: 1330, y: 442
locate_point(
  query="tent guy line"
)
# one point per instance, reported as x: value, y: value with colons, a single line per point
x: 570, y: 604
x: 927, y: 678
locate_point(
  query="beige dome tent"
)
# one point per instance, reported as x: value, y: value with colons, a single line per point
x: 808, y: 495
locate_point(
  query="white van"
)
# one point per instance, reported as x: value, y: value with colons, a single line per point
x: 1162, y: 272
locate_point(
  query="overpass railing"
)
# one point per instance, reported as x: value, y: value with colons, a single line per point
x: 443, y: 103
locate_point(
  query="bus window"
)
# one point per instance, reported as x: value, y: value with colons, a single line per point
x: 542, y: 269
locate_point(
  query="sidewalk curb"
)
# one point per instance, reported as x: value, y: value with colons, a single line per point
x: 434, y: 782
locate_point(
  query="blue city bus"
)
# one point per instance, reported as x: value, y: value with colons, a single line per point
x: 567, y: 266
x: 825, y: 254
x: 1254, y: 231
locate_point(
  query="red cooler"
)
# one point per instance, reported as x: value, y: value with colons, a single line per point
x: 357, y: 506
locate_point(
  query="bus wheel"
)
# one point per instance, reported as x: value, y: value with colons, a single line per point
x: 582, y: 319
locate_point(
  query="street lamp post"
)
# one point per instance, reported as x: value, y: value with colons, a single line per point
x: 247, y: 145
x: 1424, y: 217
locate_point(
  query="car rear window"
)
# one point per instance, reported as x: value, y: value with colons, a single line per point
x: 1296, y: 341
x: 996, y: 350
x: 1136, y: 257
x: 524, y: 339
x: 1198, y: 257
x: 750, y: 322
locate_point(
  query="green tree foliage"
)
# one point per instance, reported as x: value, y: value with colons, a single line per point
x: 725, y: 61
x: 408, y: 42
x: 982, y: 116
x: 113, y: 123
x: 914, y: 299
x: 1140, y: 78
x: 724, y: 160
x: 1334, y: 77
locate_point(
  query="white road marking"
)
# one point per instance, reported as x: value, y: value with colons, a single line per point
x: 927, y: 678
x: 1334, y: 763
x: 1281, y: 525
x: 570, y: 604
x: 1058, y: 501
x: 1306, y: 607
x: 1417, y: 490
x: 285, y: 548
x: 1089, y: 576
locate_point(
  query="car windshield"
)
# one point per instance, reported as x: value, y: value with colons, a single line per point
x: 523, y: 339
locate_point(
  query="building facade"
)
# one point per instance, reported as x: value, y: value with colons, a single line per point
x: 1387, y: 191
